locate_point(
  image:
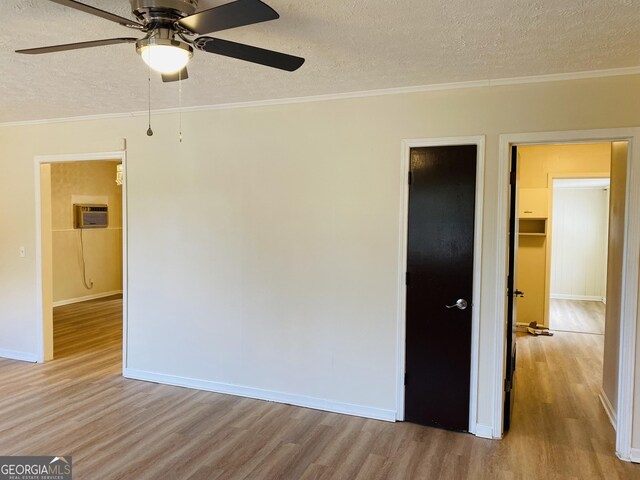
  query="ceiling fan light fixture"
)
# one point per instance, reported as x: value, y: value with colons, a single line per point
x: 163, y: 55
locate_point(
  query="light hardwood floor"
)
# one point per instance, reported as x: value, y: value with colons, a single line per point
x: 80, y: 405
x: 577, y: 316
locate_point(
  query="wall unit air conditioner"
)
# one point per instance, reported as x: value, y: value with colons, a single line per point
x: 90, y: 215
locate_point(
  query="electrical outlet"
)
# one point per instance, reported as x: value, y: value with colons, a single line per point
x: 23, y: 252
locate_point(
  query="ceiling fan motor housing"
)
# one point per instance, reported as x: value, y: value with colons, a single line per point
x: 159, y: 12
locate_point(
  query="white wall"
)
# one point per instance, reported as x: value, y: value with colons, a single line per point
x: 579, y: 242
x: 263, y: 250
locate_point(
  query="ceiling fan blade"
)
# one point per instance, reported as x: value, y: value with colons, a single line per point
x: 174, y: 77
x: 76, y: 46
x: 249, y: 53
x: 229, y: 15
x: 125, y: 22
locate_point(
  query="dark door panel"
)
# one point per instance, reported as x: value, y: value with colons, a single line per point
x: 512, y: 275
x: 440, y: 272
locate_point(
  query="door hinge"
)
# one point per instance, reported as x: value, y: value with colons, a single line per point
x: 507, y: 385
x: 406, y: 278
x: 410, y: 179
x: 512, y: 178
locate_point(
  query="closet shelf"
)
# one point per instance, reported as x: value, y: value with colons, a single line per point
x: 532, y: 227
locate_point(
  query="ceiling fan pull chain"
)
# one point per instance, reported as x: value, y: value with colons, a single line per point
x: 149, y: 130
x: 180, y: 103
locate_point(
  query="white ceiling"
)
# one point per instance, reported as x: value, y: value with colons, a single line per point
x: 350, y: 45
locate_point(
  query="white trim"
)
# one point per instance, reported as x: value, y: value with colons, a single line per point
x: 634, y: 455
x: 581, y: 298
x: 116, y: 156
x: 628, y: 321
x: 484, y: 431
x: 406, y: 147
x: 22, y: 356
x: 556, y: 77
x: 95, y: 296
x: 262, y: 394
x: 580, y: 183
x: 606, y: 404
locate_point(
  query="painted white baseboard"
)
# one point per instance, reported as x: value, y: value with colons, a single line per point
x: 583, y: 298
x: 59, y: 303
x: 608, y: 408
x: 484, y: 431
x: 635, y: 455
x: 261, y: 394
x: 23, y: 356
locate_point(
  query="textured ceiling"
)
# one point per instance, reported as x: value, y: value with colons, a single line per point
x: 350, y: 45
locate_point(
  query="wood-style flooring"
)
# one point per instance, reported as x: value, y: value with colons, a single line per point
x: 115, y: 428
x: 577, y: 316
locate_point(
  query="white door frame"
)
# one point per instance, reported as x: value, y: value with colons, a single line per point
x: 39, y: 160
x: 405, y: 158
x: 631, y: 255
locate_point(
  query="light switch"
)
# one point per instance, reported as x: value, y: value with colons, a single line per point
x: 23, y: 252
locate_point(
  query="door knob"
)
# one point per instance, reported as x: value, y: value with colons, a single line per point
x: 461, y: 304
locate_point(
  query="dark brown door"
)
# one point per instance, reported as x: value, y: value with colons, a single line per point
x: 439, y: 274
x: 512, y: 292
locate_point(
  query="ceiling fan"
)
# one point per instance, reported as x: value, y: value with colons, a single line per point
x: 168, y: 26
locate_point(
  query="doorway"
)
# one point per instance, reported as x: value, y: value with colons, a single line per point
x: 627, y: 250
x: 579, y: 253
x: 557, y: 261
x: 81, y: 253
x: 441, y: 239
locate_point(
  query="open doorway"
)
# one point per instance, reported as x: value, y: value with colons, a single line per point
x: 566, y: 244
x: 82, y: 252
x: 579, y: 254
x: 563, y: 205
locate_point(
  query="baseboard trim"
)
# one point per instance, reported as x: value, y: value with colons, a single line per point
x: 484, y: 431
x: 608, y: 408
x: 634, y: 456
x: 22, y: 356
x: 95, y: 296
x: 582, y: 298
x: 261, y: 394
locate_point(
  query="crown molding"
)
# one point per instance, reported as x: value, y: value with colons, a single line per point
x: 555, y: 77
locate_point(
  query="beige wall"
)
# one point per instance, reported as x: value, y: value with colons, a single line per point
x: 85, y: 182
x: 617, y: 199
x: 263, y: 250
x: 536, y: 164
